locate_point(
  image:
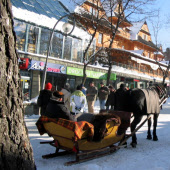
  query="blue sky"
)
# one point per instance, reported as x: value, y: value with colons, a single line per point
x: 164, y: 33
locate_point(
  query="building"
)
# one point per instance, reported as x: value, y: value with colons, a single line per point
x: 134, y: 55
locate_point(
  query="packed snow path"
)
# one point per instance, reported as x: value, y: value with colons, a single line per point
x: 149, y: 155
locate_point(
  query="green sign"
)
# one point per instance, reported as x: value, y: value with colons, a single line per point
x: 90, y: 74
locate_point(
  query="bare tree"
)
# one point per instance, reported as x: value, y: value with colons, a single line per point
x: 123, y: 10
x: 15, y: 149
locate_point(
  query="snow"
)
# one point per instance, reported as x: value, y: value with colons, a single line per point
x: 149, y: 155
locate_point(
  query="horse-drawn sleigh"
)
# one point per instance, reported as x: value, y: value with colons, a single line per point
x: 91, y: 140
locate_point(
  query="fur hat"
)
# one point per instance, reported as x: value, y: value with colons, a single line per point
x: 48, y: 86
x: 58, y: 94
x: 101, y: 83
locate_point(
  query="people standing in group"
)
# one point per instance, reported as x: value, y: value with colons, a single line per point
x: 120, y: 98
x: 91, y: 94
x: 67, y: 93
x: 103, y: 93
x: 44, y: 98
x: 56, y: 107
x: 111, y: 98
x: 77, y: 102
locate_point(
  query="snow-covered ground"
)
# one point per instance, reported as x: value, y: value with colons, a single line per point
x: 149, y: 155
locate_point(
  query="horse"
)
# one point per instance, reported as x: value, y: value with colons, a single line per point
x: 145, y: 102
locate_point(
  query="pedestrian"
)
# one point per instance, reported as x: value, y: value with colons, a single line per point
x: 111, y: 98
x: 66, y: 91
x: 120, y: 98
x: 44, y: 98
x: 77, y: 102
x: 83, y: 89
x: 56, y: 107
x: 91, y: 94
x: 103, y: 95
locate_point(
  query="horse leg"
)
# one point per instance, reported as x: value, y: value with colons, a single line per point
x: 133, y: 127
x: 149, y: 136
x: 155, y: 138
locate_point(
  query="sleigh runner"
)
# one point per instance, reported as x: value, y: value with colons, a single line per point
x: 77, y: 137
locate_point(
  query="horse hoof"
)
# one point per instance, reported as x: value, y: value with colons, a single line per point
x: 149, y: 137
x: 155, y: 138
x: 133, y: 144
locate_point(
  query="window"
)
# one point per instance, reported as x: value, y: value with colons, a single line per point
x: 93, y: 11
x: 145, y: 37
x: 57, y: 44
x: 44, y: 41
x: 67, y: 48
x: 33, y: 39
x: 20, y: 30
x: 100, y: 38
x: 77, y: 50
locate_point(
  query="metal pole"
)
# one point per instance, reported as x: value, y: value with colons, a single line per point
x: 49, y: 46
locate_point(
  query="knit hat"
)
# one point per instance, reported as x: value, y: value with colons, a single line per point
x: 48, y: 86
x: 58, y: 94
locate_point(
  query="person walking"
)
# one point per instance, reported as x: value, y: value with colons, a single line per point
x: 77, y: 103
x: 44, y: 98
x: 111, y: 98
x: 66, y: 91
x: 91, y: 94
x: 120, y: 98
x: 103, y: 95
x: 56, y: 107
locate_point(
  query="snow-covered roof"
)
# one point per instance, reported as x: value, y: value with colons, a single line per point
x: 137, y: 51
x: 135, y: 29
x: 158, y: 53
x: 71, y: 5
x: 44, y: 13
x: 109, y: 8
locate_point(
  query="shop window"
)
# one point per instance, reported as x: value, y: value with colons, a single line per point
x: 20, y: 30
x: 33, y: 39
x: 44, y: 41
x: 77, y: 50
x: 57, y: 44
x: 67, y: 48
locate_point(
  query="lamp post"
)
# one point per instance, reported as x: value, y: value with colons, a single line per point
x: 67, y: 31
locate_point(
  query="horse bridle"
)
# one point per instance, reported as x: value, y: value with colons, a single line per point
x: 162, y: 94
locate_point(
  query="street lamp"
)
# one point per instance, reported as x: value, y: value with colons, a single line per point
x: 67, y: 29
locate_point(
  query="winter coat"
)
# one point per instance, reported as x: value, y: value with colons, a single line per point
x: 67, y: 95
x: 57, y: 109
x: 92, y: 90
x: 120, y: 99
x: 44, y: 99
x: 103, y: 93
x: 111, y: 99
x: 77, y: 101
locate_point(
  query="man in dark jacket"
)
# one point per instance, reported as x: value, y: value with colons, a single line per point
x: 44, y: 97
x: 103, y: 95
x: 56, y: 107
x: 111, y: 98
x: 120, y: 98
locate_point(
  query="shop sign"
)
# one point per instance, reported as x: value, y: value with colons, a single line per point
x: 136, y: 80
x: 90, y: 74
x: 23, y: 63
x: 51, y: 67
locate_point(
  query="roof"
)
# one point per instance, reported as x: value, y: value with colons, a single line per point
x: 135, y: 29
x: 49, y: 8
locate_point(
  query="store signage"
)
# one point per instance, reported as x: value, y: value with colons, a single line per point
x: 51, y: 67
x: 136, y: 80
x: 90, y: 74
x: 23, y: 63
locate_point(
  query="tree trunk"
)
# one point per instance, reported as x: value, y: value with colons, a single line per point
x: 15, y: 149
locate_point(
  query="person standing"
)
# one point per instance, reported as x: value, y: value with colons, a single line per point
x: 56, y: 107
x: 91, y: 94
x: 111, y: 98
x: 66, y: 91
x: 103, y: 95
x: 77, y: 102
x: 44, y: 98
x: 120, y: 98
